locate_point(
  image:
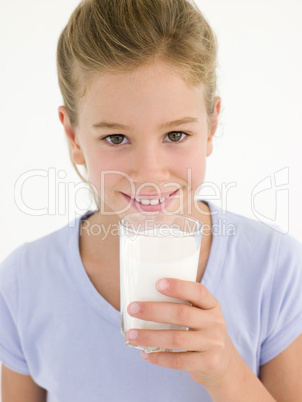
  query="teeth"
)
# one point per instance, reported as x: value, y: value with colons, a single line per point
x: 145, y: 202
x: 150, y: 202
x: 154, y: 202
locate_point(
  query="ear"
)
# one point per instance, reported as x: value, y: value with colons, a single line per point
x: 213, y: 123
x: 77, y: 153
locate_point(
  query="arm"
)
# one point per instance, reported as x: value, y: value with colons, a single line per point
x: 20, y: 388
x: 280, y: 379
x: 282, y: 375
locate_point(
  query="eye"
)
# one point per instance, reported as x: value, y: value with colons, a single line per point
x: 176, y: 136
x: 115, y: 139
x: 120, y: 139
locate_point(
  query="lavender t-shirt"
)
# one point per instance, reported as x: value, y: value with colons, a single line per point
x: 56, y: 327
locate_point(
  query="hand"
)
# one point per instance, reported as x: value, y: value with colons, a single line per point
x: 210, y: 355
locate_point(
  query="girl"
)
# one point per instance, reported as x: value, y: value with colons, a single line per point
x: 140, y: 112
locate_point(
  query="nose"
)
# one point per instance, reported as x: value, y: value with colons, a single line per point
x: 149, y: 164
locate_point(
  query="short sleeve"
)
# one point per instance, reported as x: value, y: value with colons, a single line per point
x: 285, y: 312
x: 11, y: 354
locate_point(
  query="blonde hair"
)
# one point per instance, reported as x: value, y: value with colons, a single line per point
x: 104, y: 36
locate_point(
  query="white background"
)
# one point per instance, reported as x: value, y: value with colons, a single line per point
x: 260, y: 132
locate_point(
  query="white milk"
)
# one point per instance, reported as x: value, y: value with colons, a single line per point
x: 146, y: 259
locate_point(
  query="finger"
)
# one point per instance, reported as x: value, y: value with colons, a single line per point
x: 194, y: 292
x: 171, y: 313
x: 188, y: 361
x: 173, y: 340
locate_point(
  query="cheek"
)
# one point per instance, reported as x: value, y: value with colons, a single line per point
x: 98, y: 166
x: 191, y: 163
x: 107, y: 171
x: 198, y: 174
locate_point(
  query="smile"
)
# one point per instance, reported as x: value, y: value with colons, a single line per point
x: 151, y: 203
x: 154, y: 201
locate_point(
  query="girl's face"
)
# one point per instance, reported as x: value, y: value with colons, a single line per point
x: 143, y: 134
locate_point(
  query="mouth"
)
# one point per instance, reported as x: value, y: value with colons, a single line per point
x: 151, y: 203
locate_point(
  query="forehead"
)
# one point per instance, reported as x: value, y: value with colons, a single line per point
x: 149, y: 91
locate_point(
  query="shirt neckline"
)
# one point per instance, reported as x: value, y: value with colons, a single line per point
x: 86, y: 288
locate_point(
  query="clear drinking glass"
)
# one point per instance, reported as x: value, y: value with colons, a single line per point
x: 155, y: 246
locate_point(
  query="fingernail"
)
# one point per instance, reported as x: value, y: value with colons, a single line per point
x: 131, y: 335
x: 145, y: 355
x: 133, y: 308
x: 162, y: 284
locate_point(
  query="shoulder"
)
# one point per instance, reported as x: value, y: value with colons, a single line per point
x: 254, y: 248
x: 33, y: 258
x: 245, y: 228
x: 256, y: 238
x: 265, y: 256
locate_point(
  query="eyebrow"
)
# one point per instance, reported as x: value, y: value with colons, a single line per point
x: 174, y: 123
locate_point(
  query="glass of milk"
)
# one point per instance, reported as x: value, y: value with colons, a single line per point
x: 154, y: 246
